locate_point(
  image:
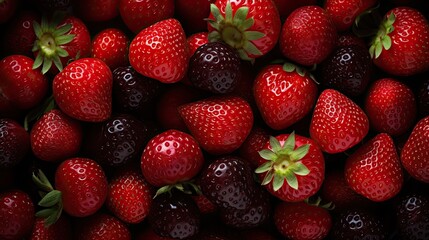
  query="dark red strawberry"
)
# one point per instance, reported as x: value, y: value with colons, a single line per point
x: 111, y: 46
x: 14, y: 143
x: 102, y: 226
x: 96, y: 10
x: 50, y: 6
x: 7, y: 10
x: 343, y: 14
x: 192, y: 14
x: 255, y: 142
x: 251, y: 27
x: 308, y: 35
x: 204, y: 204
x: 347, y: 38
x: 412, y: 215
x: 400, y: 46
x: 83, y: 90
x: 423, y: 98
x: 337, y: 123
x: 284, y: 94
x: 293, y: 168
x: 287, y: 7
x: 171, y: 157
x: 62, y: 229
x: 160, y: 51
x: 301, y: 220
x: 16, y: 214
x: 219, y: 124
x: 196, y: 40
x: 391, y: 106
x: 414, y: 155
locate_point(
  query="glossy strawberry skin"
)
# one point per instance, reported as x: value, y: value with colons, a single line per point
x: 96, y: 10
x: 195, y: 41
x: 14, y: 143
x: 111, y: 46
x: 283, y: 98
x: 83, y: 90
x: 192, y: 14
x: 160, y: 51
x: 102, y: 226
x: 83, y: 186
x: 255, y: 142
x: 412, y: 215
x: 343, y: 14
x: 62, y: 229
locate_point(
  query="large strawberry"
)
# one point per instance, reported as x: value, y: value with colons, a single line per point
x: 344, y: 13
x: 415, y: 153
x: 83, y: 90
x: 402, y: 42
x: 160, y: 51
x: 284, y: 94
x: 337, y: 123
x: 251, y: 27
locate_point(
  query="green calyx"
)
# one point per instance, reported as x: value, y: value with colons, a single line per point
x: 283, y: 163
x: 382, y: 40
x: 290, y: 67
x: 318, y: 203
x: 49, y: 42
x: 186, y: 187
x: 233, y: 29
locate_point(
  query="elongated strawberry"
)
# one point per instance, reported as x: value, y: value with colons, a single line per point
x: 344, y: 13
x: 111, y: 46
x: 160, y: 51
x: 14, y: 143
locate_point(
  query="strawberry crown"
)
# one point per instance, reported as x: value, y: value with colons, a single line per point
x: 382, y: 40
x: 290, y: 67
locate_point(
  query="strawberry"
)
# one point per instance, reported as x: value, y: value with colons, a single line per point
x: 14, y: 143
x: 414, y: 154
x: 192, y: 14
x: 293, y: 168
x: 374, y: 169
x: 400, y: 46
x: 254, y: 143
x: 111, y: 46
x: 412, y: 215
x: 284, y: 94
x: 308, y: 35
x: 251, y: 27
x: 62, y: 229
x: 138, y: 15
x: 423, y: 98
x: 56, y: 136
x: 347, y: 38
x: 95, y: 10
x: 301, y: 220
x: 160, y: 51
x: 204, y: 204
x: 196, y: 40
x: 129, y: 196
x: 171, y: 157
x: 16, y: 214
x: 7, y: 10
x: 219, y: 124
x: 391, y: 106
x: 83, y: 90
x: 102, y: 226
x: 343, y: 14
x: 337, y: 123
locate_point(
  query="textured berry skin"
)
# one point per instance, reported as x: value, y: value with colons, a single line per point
x: 111, y: 46
x: 308, y: 35
x: 61, y: 229
x: 83, y: 90
x: 192, y: 14
x: 14, y: 143
x: 344, y: 13
x: 412, y: 216
x: 83, y: 186
x: 196, y: 40
x: 96, y: 10
x: 390, y: 106
x: 254, y: 143
x: 102, y: 226
x: 160, y: 51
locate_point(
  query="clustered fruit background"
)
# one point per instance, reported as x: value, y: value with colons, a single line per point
x: 214, y: 119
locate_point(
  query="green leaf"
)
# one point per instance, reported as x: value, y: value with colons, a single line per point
x: 214, y: 36
x: 268, y: 177
x: 278, y: 182
x: 243, y: 55
x: 51, y: 198
x: 299, y: 152
x: 64, y: 39
x: 291, y: 180
x: 162, y: 190
x: 216, y: 13
x: 289, y: 144
x: 44, y: 213
x: 61, y: 52
x: 62, y: 30
x: 214, y: 24
x: 251, y: 48
x: 253, y: 35
x: 264, y: 167
x: 57, y: 62
x: 38, y: 61
x: 44, y: 24
x: 52, y: 219
x: 268, y: 154
x: 40, y: 179
x: 228, y: 12
x: 300, y: 169
x: 240, y: 16
x: 248, y: 23
x: 289, y: 67
x: 47, y: 64
x: 372, y: 51
x: 275, y: 144
x: 387, y: 42
x: 300, y: 71
x: 378, y: 49
x: 37, y: 29
x: 391, y: 19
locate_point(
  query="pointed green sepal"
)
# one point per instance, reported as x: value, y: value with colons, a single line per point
x: 64, y: 39
x: 44, y: 213
x: 387, y: 42
x: 248, y: 23
x: 62, y: 30
x: 268, y: 178
x: 47, y: 64
x: 268, y: 155
x: 277, y: 182
x: 38, y: 61
x: 37, y: 29
x: 300, y: 169
x: 240, y: 15
x: 216, y: 12
x: 275, y: 144
x: 50, y: 199
x: 253, y: 35
x: 299, y: 152
x: 251, y: 48
x: 228, y: 12
x: 289, y: 144
x: 264, y: 167
x: 289, y: 67
x: 291, y: 180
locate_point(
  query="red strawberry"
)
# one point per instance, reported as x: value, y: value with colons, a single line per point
x: 374, y: 169
x: 301, y: 220
x: 196, y: 40
x: 102, y: 226
x: 293, y: 168
x: 192, y: 14
x: 129, y: 196
x: 16, y: 214
x: 391, y: 106
x: 415, y: 153
x: 83, y: 90
x: 400, y: 47
x: 287, y: 7
x: 251, y: 27
x: 204, y: 204
x: 7, y: 10
x: 56, y: 136
x: 284, y: 94
x: 14, y: 143
x: 139, y: 14
x: 160, y: 51
x: 219, y: 124
x: 308, y: 35
x: 111, y: 46
x: 337, y: 123
x: 62, y: 229
x: 96, y: 10
x: 255, y: 142
x: 344, y: 13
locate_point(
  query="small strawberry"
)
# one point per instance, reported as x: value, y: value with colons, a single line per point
x: 192, y: 14
x: 196, y: 40
x: 337, y: 123
x: 14, y: 143
x: 400, y: 46
x: 96, y: 10
x: 62, y: 229
x: 219, y: 124
x: 284, y: 94
x: 83, y: 90
x: 415, y: 153
x: 160, y: 51
x: 102, y: 226
x: 111, y: 46
x: 308, y: 35
x: 254, y: 143
x: 343, y: 14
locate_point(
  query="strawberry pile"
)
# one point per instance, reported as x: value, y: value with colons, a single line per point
x: 214, y: 119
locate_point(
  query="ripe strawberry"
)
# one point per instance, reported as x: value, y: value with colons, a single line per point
x: 219, y: 124
x: 16, y: 214
x: 160, y: 51
x: 412, y: 215
x: 7, y: 10
x: 293, y: 168
x: 102, y: 226
x: 343, y: 14
x: 196, y: 40
x: 308, y: 35
x: 62, y: 229
x: 14, y: 143
x: 111, y: 46
x: 374, y: 169
x: 301, y: 220
x: 390, y: 106
x: 95, y: 10
x: 400, y: 46
x: 284, y: 94
x: 414, y: 155
x: 192, y: 14
x: 204, y: 204
x: 337, y: 123
x: 254, y: 143
x: 287, y: 7
x: 83, y: 90
x: 129, y: 196
x: 251, y: 27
